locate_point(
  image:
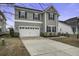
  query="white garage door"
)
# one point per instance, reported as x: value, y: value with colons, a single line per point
x: 29, y: 31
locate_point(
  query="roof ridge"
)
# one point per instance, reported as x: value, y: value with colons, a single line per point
x: 28, y: 8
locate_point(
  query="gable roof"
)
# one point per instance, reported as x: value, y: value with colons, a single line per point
x: 63, y: 22
x: 44, y: 10
x: 73, y: 19
x: 52, y: 8
x: 28, y: 8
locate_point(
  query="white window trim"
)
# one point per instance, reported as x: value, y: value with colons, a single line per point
x: 28, y: 21
x: 51, y: 15
x: 52, y: 26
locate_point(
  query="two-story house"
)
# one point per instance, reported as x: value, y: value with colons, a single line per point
x: 31, y: 22
x: 74, y: 23
x: 2, y: 23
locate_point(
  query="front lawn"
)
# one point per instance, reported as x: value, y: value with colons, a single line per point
x: 13, y: 47
x: 70, y: 41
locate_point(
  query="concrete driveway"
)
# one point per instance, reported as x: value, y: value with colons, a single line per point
x: 46, y: 47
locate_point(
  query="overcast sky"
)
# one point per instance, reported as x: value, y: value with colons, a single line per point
x: 66, y: 10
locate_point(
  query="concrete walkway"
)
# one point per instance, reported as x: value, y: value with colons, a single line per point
x: 46, y: 47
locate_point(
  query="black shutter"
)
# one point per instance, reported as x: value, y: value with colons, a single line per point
x: 47, y: 28
x: 38, y: 16
x: 49, y: 15
x: 33, y: 15
x: 55, y: 29
x: 54, y: 16
x: 25, y: 14
x: 19, y: 14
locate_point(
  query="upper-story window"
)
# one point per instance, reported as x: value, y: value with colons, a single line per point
x: 36, y: 16
x: 51, y: 16
x: 23, y: 14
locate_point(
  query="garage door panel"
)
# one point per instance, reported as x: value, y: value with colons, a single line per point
x: 29, y: 32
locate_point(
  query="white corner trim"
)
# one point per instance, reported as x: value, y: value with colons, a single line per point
x: 0, y: 27
x: 28, y: 21
x: 45, y: 22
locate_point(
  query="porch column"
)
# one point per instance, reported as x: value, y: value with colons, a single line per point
x: 45, y: 27
x: 76, y: 30
x: 56, y: 18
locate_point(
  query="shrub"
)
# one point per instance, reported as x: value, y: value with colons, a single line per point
x: 41, y: 34
x: 48, y: 34
x: 45, y: 34
x: 77, y: 35
x: 59, y: 34
x: 13, y: 34
x: 16, y: 34
x: 67, y: 35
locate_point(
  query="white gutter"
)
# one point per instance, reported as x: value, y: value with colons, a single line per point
x: 28, y: 21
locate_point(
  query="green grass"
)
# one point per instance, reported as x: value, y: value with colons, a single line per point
x: 70, y: 41
x: 13, y: 47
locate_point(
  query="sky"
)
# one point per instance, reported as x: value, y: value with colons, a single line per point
x: 66, y: 10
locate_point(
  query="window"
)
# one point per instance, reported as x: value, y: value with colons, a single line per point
x: 26, y: 28
x: 23, y: 14
x: 48, y: 29
x: 30, y: 27
x: 51, y: 16
x: 53, y: 29
x: 36, y: 16
x: 20, y: 27
x: 74, y: 29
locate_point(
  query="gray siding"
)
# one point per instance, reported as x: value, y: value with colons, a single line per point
x: 43, y: 24
x: 29, y: 14
x: 50, y: 22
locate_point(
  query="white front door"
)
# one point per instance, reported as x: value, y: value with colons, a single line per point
x: 29, y: 31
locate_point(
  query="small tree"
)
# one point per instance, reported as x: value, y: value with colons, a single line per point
x: 11, y: 32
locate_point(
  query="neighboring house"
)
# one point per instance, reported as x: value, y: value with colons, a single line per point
x: 31, y: 22
x: 74, y: 23
x: 64, y: 28
x: 2, y: 23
